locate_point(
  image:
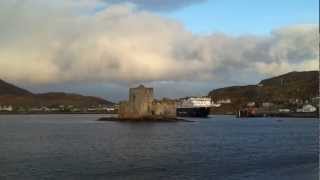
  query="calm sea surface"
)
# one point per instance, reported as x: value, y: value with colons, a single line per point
x: 220, y: 148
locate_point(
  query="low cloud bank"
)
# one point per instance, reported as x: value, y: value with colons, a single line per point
x: 68, y: 41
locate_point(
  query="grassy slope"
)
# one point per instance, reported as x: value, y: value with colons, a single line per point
x: 293, y: 85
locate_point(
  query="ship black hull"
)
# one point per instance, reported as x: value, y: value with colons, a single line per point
x: 193, y: 112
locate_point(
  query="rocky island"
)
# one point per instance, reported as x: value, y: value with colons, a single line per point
x: 142, y: 107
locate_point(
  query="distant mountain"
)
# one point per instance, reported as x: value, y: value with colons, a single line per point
x: 55, y: 98
x: 13, y: 95
x: 9, y: 89
x: 280, y: 89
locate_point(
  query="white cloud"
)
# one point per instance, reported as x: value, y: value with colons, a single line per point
x: 274, y: 68
x: 157, y: 5
x: 62, y: 41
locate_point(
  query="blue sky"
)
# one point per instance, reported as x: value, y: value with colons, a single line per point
x: 238, y: 17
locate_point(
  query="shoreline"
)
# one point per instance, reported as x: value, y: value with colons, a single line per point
x: 177, y: 119
x: 281, y: 115
x: 48, y: 113
x: 148, y: 120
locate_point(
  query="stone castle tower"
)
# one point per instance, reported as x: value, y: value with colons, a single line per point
x: 142, y: 104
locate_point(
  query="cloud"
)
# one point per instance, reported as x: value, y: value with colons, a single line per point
x: 157, y: 5
x: 63, y: 41
x: 293, y: 48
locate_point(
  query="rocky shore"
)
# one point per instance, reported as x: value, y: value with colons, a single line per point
x: 144, y: 119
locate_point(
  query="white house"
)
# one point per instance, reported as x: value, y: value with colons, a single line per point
x: 307, y: 108
x: 284, y: 110
x: 6, y: 108
x: 267, y: 104
x: 224, y: 101
x: 216, y: 104
x: 251, y: 104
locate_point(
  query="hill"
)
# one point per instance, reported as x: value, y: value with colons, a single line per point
x: 279, y: 90
x: 15, y: 96
x: 10, y: 89
x: 52, y: 99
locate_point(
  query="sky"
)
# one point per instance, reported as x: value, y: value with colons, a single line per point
x: 246, y: 16
x: 181, y: 48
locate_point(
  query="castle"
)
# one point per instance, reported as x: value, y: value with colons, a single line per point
x: 141, y: 104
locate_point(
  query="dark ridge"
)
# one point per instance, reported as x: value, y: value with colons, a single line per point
x: 53, y: 98
x: 292, y: 78
x: 10, y: 89
x: 13, y: 95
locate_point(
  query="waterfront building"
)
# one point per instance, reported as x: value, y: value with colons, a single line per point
x: 284, y: 110
x: 40, y: 109
x: 224, y: 101
x: 267, y: 104
x: 251, y: 104
x: 8, y: 108
x: 307, y: 108
x: 215, y: 104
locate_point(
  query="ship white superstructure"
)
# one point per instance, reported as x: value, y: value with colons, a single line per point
x: 194, y: 107
x: 194, y: 102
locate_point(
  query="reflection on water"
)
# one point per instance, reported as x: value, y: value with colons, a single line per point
x: 220, y: 147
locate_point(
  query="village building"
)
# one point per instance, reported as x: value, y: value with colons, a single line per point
x: 267, y: 104
x: 8, y: 108
x: 142, y: 104
x: 224, y: 101
x: 40, y: 109
x: 251, y: 104
x: 307, y: 108
x: 215, y: 104
x: 284, y: 110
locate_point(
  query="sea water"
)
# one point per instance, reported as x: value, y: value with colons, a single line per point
x: 219, y: 147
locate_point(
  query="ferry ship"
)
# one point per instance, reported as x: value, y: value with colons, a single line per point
x: 194, y: 107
